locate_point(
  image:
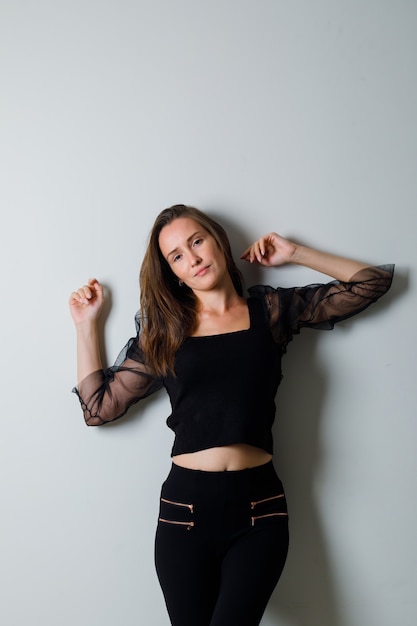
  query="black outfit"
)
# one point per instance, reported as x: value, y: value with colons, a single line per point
x: 223, y: 393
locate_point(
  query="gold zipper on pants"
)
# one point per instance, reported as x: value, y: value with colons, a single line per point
x: 253, y: 504
x: 187, y: 506
x: 254, y: 519
x: 189, y: 525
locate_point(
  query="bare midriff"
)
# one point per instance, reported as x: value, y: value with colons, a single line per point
x: 225, y: 458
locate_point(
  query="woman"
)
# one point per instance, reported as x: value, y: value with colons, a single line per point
x: 222, y: 535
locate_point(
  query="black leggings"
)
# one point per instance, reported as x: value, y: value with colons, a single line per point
x: 221, y: 544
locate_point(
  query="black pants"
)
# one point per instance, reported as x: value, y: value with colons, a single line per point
x: 221, y: 544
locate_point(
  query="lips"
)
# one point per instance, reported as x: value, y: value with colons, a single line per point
x: 202, y: 271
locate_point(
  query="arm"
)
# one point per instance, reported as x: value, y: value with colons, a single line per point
x: 273, y: 250
x: 85, y: 306
x: 105, y: 395
x: 356, y: 286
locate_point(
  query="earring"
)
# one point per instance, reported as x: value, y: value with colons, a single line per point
x: 181, y: 283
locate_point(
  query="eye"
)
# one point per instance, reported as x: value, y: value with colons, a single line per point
x: 198, y: 241
x: 176, y: 258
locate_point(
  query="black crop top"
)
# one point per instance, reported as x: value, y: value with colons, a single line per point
x: 225, y: 385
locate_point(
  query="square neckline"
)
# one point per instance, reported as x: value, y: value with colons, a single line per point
x: 249, y: 302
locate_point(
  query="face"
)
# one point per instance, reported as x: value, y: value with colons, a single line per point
x: 193, y: 254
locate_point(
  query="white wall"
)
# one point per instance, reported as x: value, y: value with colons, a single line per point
x: 294, y: 116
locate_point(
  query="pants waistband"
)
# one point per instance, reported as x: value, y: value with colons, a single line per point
x: 235, y: 481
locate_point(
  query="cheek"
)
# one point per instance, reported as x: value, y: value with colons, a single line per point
x: 169, y: 268
x: 221, y: 259
x: 177, y: 270
x: 174, y: 271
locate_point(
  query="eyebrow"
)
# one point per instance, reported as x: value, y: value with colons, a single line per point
x: 197, y: 232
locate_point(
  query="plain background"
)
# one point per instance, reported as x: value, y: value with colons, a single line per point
x: 294, y: 116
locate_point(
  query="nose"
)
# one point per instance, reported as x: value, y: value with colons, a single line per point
x: 195, y: 259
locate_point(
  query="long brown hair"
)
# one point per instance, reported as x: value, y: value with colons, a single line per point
x: 168, y: 310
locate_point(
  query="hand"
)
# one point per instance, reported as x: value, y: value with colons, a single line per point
x: 86, y: 303
x: 270, y: 250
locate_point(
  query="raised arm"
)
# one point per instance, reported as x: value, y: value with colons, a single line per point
x: 272, y: 250
x: 85, y: 306
x: 105, y: 394
x: 356, y: 286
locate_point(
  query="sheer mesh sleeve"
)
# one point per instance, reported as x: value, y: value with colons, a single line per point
x: 321, y: 306
x: 106, y: 395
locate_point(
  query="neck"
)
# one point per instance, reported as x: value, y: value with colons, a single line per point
x: 218, y: 300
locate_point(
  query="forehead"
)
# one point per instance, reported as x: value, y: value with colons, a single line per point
x: 177, y: 233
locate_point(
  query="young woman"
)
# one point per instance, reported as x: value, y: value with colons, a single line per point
x: 222, y: 534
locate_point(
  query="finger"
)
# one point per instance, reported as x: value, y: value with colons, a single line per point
x: 265, y: 246
x: 262, y: 245
x: 270, y: 246
x: 252, y: 253
x: 97, y: 287
x: 255, y: 252
x: 262, y: 248
x: 78, y: 298
x: 83, y: 295
x: 245, y: 255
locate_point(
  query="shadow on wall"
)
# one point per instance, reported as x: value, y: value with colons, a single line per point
x: 305, y: 595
